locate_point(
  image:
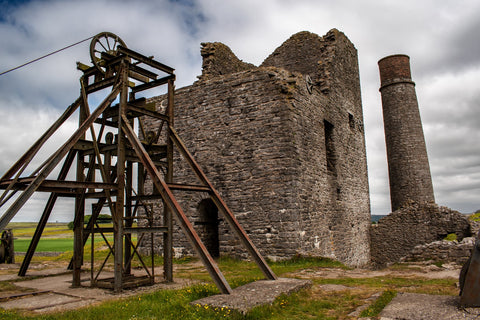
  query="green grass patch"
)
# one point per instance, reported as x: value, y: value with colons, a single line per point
x: 475, y: 216
x: 451, y: 237
x: 165, y: 304
x: 57, y: 245
x: 239, y: 272
x: 175, y: 304
x: 27, y: 229
x: 312, y: 303
x: 407, y: 284
x: 375, y: 308
x: 56, y: 237
x: 300, y: 262
x: 308, y: 304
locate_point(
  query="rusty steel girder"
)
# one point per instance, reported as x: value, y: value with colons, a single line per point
x: 112, y: 148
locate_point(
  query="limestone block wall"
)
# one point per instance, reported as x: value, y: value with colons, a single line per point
x: 286, y: 154
x: 396, y: 235
x: 443, y: 251
x: 330, y: 143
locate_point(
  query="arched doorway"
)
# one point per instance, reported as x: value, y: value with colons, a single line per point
x: 208, y: 226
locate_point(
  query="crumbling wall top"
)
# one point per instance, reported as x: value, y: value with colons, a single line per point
x: 304, y: 52
x: 218, y: 59
x: 311, y: 54
x: 300, y: 52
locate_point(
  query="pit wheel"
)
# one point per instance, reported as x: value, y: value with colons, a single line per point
x: 105, y: 42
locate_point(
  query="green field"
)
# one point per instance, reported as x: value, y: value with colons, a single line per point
x: 23, y: 230
x: 46, y: 245
x: 56, y: 237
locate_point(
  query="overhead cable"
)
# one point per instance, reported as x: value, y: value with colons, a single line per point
x: 51, y: 53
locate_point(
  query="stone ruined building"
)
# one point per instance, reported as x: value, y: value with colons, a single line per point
x: 284, y: 144
x: 400, y: 234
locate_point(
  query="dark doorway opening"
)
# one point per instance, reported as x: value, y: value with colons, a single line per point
x: 208, y: 226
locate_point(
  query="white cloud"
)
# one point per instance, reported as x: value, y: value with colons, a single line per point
x: 440, y: 38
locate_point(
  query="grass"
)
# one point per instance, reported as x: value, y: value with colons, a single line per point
x: 175, y: 304
x: 300, y: 262
x: 312, y: 303
x: 165, y: 304
x: 23, y: 230
x: 475, y: 216
x: 239, y: 272
x: 404, y: 284
x: 382, y: 301
x: 57, y: 245
x: 451, y: 237
x: 56, y: 237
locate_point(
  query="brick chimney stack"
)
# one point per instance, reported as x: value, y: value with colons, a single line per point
x: 408, y: 167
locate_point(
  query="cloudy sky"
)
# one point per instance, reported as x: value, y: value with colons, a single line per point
x: 441, y: 37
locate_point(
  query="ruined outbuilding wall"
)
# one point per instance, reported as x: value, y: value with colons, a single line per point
x: 287, y: 155
x: 396, y: 235
x: 442, y: 251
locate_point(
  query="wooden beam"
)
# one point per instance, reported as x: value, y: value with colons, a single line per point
x: 153, y: 84
x: 148, y: 61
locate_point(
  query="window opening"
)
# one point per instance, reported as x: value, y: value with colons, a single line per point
x: 331, y: 157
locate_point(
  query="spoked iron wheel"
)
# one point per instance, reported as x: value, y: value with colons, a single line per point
x: 105, y: 42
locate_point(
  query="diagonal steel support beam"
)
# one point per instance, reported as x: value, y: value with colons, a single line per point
x: 222, y: 206
x: 46, y: 214
x: 55, y: 159
x: 25, y: 159
x: 19, y: 166
x: 173, y: 205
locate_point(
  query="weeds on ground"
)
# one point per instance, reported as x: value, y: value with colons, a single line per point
x: 407, y: 284
x: 301, y: 262
x: 165, y: 304
x: 375, y: 308
x: 314, y: 302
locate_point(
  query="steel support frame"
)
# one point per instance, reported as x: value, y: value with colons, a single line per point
x: 117, y: 180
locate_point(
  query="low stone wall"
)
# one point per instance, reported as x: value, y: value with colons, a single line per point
x: 443, y: 251
x: 396, y: 235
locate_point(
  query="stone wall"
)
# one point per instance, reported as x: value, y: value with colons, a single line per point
x: 288, y: 158
x: 218, y: 59
x: 396, y: 235
x: 443, y: 251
